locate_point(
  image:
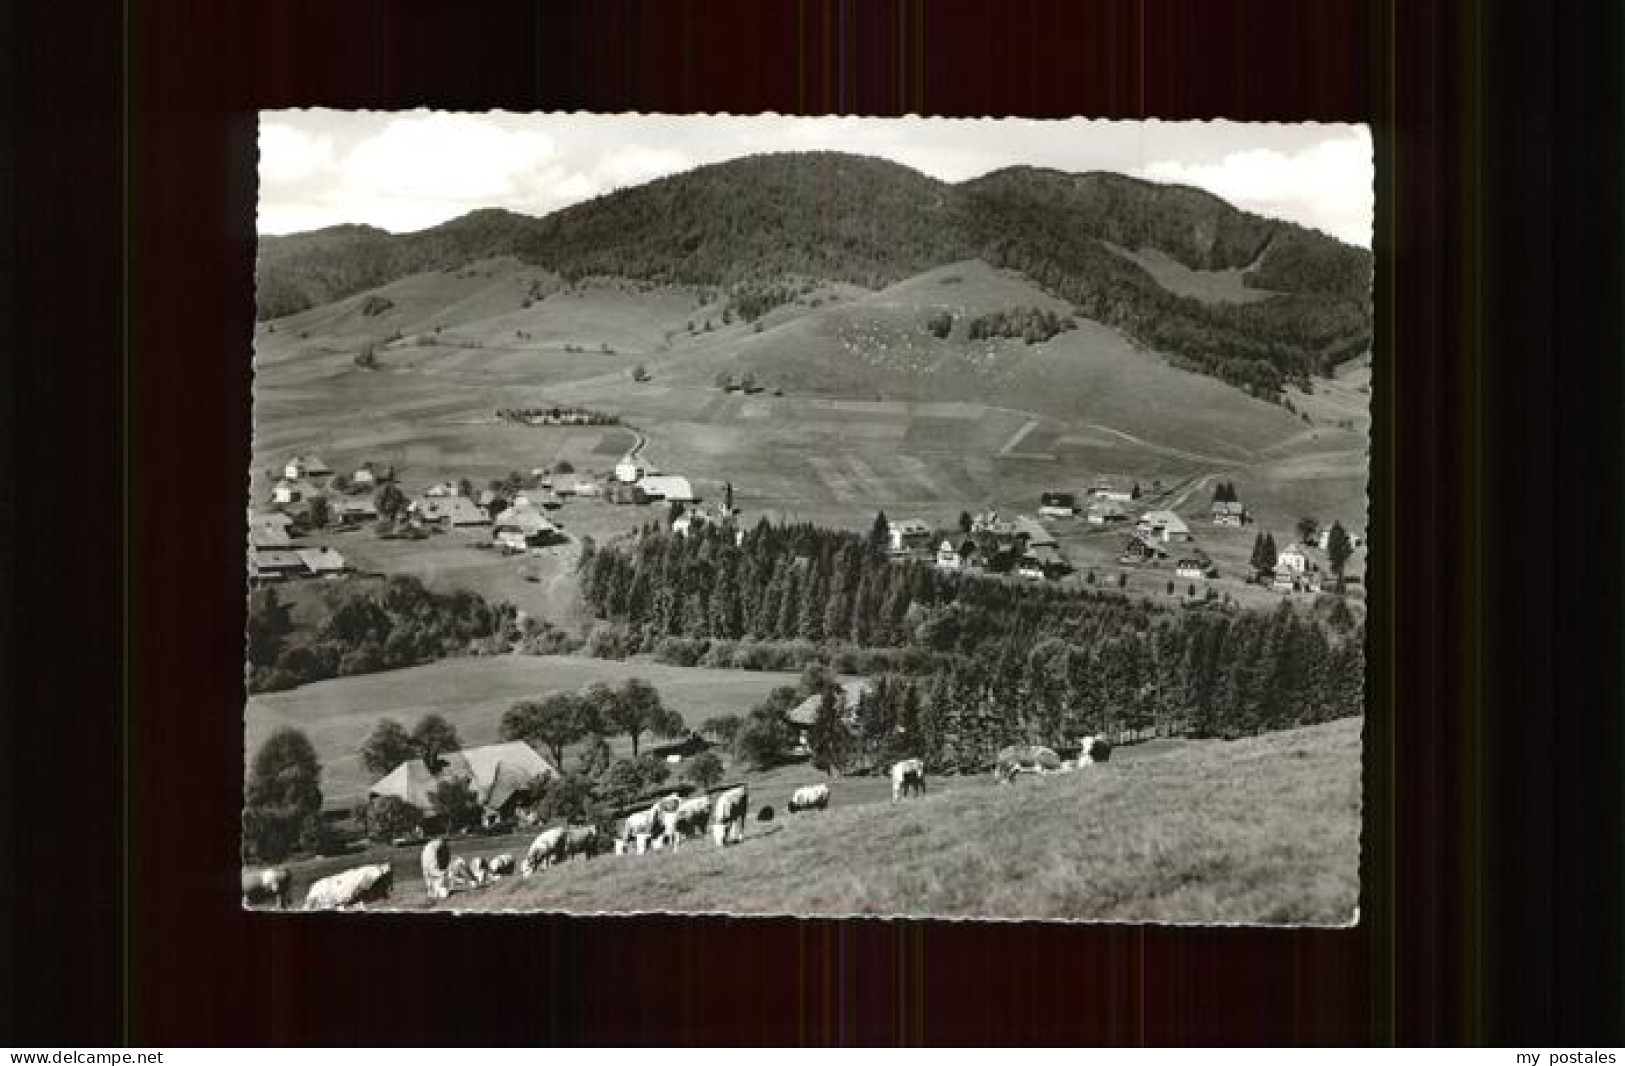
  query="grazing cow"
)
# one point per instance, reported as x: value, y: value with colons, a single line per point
x: 765, y: 814
x: 1024, y: 759
x: 641, y: 825
x: 543, y: 851
x: 1093, y: 750
x: 352, y: 888
x: 264, y: 886
x: 728, y: 815
x: 688, y: 819
x: 809, y: 798
x: 501, y: 866
x: 478, y: 870
x: 907, y: 777
x: 579, y: 840
x: 434, y: 861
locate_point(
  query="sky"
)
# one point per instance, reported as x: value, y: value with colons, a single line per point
x: 408, y: 170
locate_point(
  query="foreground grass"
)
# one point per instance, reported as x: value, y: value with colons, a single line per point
x: 1256, y: 831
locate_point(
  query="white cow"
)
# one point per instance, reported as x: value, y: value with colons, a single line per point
x: 543, y: 851
x: 479, y: 870
x: 501, y: 866
x: 907, y: 777
x: 728, y: 815
x: 687, y: 819
x: 352, y: 888
x: 809, y: 798
x: 1094, y: 749
x: 640, y: 826
x: 435, y: 859
x: 264, y: 886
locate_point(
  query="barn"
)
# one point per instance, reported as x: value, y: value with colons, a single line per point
x: 497, y: 774
x: 668, y: 487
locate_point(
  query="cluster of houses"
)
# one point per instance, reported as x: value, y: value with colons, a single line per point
x: 273, y: 555
x: 1022, y: 546
x: 637, y: 482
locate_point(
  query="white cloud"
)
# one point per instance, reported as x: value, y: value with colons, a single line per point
x: 1326, y: 186
x: 290, y: 156
x: 457, y: 158
x: 634, y: 165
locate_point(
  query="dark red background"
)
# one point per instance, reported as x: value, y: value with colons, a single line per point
x: 1492, y: 875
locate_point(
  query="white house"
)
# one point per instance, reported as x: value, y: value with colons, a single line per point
x: 1292, y: 558
x: 286, y: 491
x: 1057, y: 505
x: 907, y: 535
x: 628, y: 470
x: 1230, y: 513
x: 444, y: 488
x: 363, y: 475
x: 1193, y: 569
x: 583, y: 487
x: 948, y: 557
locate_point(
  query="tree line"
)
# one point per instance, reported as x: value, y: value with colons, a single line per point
x: 364, y: 628
x: 1030, y: 324
x: 1107, y: 661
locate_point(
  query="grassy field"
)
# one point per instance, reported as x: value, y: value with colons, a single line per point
x: 1265, y: 830
x: 472, y: 694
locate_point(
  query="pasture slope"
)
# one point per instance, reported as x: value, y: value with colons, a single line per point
x: 472, y: 694
x: 1265, y: 830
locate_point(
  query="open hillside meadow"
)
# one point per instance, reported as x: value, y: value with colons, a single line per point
x: 859, y: 408
x: 1265, y: 830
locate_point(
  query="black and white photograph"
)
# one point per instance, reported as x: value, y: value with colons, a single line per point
x: 831, y: 517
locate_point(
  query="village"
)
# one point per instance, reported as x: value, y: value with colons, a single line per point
x: 1104, y: 534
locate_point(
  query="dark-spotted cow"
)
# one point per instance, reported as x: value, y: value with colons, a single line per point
x: 1020, y: 759
x: 907, y: 777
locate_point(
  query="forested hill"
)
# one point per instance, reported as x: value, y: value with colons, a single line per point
x: 747, y: 223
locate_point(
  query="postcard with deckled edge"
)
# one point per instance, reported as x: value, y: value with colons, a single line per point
x: 812, y: 516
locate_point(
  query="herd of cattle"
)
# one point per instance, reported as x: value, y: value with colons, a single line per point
x: 664, y: 825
